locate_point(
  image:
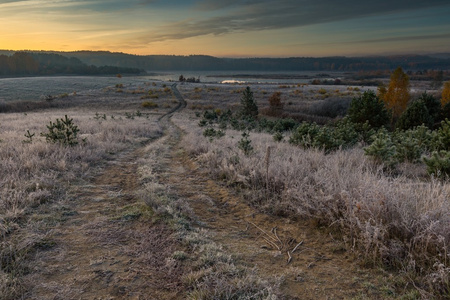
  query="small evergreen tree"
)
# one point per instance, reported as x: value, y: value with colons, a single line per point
x: 64, y: 132
x: 442, y: 136
x: 415, y: 115
x: 433, y: 105
x: 245, y: 144
x: 382, y: 149
x: 438, y: 164
x: 368, y: 108
x: 249, y: 107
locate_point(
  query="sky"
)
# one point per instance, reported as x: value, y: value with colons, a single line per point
x: 228, y: 28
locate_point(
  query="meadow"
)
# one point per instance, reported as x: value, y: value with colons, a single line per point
x: 398, y: 221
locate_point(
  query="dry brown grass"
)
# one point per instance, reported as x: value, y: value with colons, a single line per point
x: 38, y: 173
x: 397, y: 222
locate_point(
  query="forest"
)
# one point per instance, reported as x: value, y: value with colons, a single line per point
x: 105, y: 62
x: 32, y: 64
x: 210, y: 63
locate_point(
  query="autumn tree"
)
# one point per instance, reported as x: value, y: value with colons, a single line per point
x: 275, y: 104
x: 446, y: 94
x: 397, y: 95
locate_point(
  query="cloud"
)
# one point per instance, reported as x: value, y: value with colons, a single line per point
x: 445, y: 36
x: 216, y: 5
x: 252, y: 15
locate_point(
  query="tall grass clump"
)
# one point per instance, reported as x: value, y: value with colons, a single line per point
x: 398, y: 222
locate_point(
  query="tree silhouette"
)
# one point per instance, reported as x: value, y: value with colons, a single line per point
x: 249, y: 107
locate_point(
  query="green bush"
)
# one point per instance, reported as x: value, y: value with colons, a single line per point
x: 415, y: 115
x: 304, y: 134
x: 249, y: 107
x: 434, y: 107
x: 438, y: 164
x: 382, y: 149
x: 63, y: 131
x: 245, y: 144
x: 311, y: 135
x: 441, y: 138
x: 368, y: 108
x: 278, y: 137
x: 212, y: 133
x: 407, y: 148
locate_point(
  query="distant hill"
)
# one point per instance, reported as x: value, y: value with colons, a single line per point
x: 40, y: 63
x: 210, y: 63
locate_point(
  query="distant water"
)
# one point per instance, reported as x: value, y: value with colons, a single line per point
x: 35, y: 88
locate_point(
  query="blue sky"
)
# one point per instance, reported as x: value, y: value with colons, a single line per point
x: 234, y: 28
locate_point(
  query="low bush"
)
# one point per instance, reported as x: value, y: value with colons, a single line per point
x: 63, y: 131
x: 369, y: 108
x: 416, y: 114
x: 438, y: 164
x: 149, y: 104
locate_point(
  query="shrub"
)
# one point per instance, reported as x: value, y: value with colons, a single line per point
x: 304, y: 134
x: 149, y: 104
x: 382, y: 149
x: 331, y: 108
x: 433, y: 105
x: 438, y: 164
x: 415, y: 115
x: 407, y: 147
x: 29, y: 137
x: 211, y: 133
x: 64, y: 132
x: 249, y: 107
x: 441, y: 139
x: 275, y: 105
x: 368, y: 108
x: 278, y: 137
x: 245, y: 144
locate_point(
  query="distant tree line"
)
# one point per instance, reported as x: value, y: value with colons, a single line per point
x: 82, y: 62
x: 31, y: 64
x: 210, y: 63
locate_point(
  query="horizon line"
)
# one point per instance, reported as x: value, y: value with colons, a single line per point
x: 236, y: 56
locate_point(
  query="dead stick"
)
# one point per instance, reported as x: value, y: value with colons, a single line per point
x: 290, y: 257
x: 275, y: 233
x: 271, y: 243
x: 298, y: 245
x: 262, y: 231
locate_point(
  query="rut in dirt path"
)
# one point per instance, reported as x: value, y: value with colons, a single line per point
x: 319, y: 268
x: 107, y: 247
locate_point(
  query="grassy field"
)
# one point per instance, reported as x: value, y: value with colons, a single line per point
x: 399, y: 222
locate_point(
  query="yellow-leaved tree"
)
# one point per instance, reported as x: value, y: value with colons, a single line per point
x: 446, y: 94
x: 397, y: 95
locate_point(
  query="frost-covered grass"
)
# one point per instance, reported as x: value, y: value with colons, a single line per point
x: 37, y: 172
x: 398, y: 222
